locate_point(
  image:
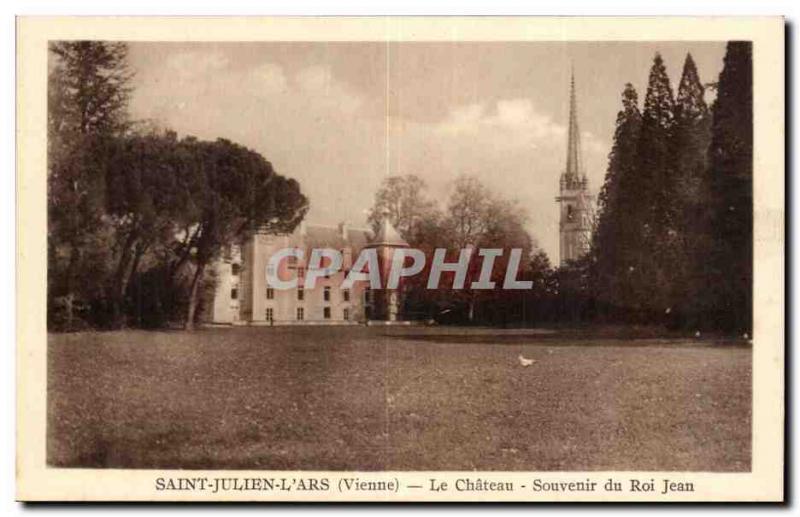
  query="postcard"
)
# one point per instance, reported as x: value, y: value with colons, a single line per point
x: 400, y: 259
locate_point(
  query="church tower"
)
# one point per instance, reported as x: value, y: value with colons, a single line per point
x: 575, y: 202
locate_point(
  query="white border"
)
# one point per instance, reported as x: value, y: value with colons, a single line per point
x: 7, y: 105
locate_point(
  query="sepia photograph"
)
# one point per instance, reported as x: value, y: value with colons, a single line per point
x: 399, y: 255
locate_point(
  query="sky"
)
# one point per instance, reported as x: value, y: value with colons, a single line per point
x: 340, y: 117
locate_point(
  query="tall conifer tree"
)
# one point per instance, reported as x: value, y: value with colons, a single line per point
x: 651, y: 213
x: 610, y: 240
x: 691, y: 173
x: 731, y: 158
x: 87, y: 108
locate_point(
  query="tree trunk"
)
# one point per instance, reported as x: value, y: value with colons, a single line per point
x: 190, y: 313
x: 74, y: 258
x: 120, y: 280
x: 137, y: 258
x: 69, y: 311
x: 185, y: 255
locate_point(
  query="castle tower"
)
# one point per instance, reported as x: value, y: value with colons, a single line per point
x: 575, y: 202
x: 385, y: 303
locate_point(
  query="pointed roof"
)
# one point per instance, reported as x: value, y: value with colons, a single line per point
x: 387, y: 236
x: 574, y: 163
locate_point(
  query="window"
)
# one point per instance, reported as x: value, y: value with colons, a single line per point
x: 270, y: 293
x: 569, y: 212
x: 326, y: 294
x: 301, y: 294
x: 234, y: 294
x: 300, y: 314
x: 235, y: 269
x: 269, y: 314
x: 326, y: 313
x: 346, y: 295
x: 346, y: 314
x: 367, y: 295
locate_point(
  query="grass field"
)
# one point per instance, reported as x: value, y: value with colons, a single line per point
x: 396, y: 399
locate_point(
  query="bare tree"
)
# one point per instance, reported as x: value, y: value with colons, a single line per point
x: 404, y: 200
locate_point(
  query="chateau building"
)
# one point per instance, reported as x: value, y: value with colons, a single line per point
x: 243, y: 295
x: 575, y: 202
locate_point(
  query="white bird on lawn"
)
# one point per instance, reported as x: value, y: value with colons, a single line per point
x: 525, y: 362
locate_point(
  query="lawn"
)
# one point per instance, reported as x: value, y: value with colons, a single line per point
x: 374, y: 398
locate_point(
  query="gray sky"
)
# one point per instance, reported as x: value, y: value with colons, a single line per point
x: 339, y: 117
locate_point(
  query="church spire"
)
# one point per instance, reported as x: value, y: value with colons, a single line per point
x: 574, y: 170
x: 575, y: 227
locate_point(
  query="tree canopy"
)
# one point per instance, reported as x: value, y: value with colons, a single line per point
x: 121, y: 199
